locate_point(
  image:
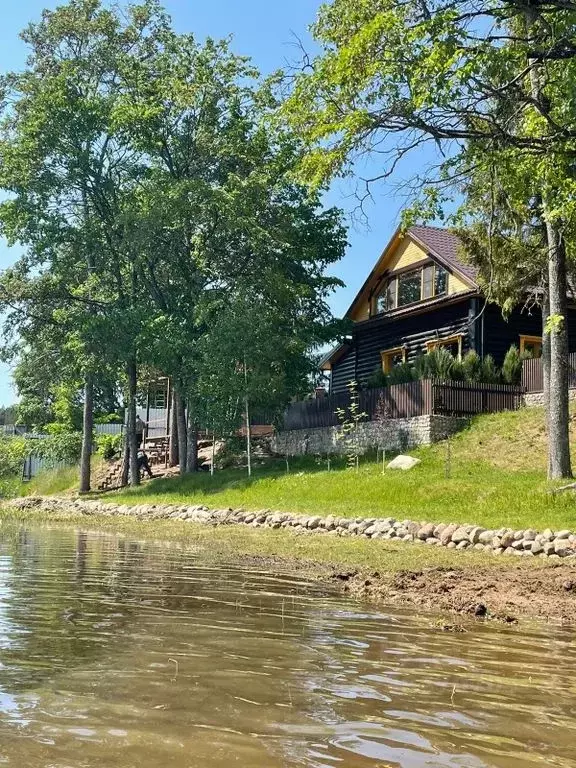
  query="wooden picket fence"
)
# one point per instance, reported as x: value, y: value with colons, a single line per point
x: 400, y: 401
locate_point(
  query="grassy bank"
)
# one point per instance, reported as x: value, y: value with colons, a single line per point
x: 492, y: 474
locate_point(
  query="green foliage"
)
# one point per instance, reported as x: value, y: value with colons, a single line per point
x: 377, y: 379
x: 512, y: 366
x: 490, y: 373
x: 61, y: 447
x: 441, y: 364
x: 472, y: 366
x: 109, y: 446
x: 350, y: 419
x: 401, y: 374
x: 13, y: 451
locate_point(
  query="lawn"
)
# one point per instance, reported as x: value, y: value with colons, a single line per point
x: 492, y: 474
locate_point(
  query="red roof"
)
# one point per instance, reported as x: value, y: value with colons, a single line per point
x: 445, y: 245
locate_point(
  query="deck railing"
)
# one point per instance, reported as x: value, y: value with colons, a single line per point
x: 415, y: 398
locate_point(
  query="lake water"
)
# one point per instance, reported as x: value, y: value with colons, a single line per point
x: 115, y: 653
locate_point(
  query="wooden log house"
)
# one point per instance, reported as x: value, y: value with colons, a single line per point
x: 421, y: 295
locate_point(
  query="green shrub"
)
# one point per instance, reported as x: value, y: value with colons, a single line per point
x: 401, y: 374
x: 490, y: 372
x: 109, y: 445
x: 512, y: 365
x: 376, y: 379
x: 61, y: 447
x: 472, y: 366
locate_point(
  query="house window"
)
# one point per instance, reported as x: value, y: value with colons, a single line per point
x: 453, y: 344
x: 531, y: 346
x: 411, y: 287
x: 392, y: 357
x: 440, y: 281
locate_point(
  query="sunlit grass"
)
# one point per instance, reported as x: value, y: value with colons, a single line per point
x: 492, y: 474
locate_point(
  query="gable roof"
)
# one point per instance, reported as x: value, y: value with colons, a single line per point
x: 441, y: 244
x: 445, y: 245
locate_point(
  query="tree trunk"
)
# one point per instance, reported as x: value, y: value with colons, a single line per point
x: 173, y: 458
x: 87, y: 429
x: 557, y: 410
x: 132, y: 443
x: 558, y: 402
x: 248, y: 436
x: 180, y: 413
x: 125, y: 460
x: 192, y: 447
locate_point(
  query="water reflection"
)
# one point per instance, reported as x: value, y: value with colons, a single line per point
x: 119, y: 653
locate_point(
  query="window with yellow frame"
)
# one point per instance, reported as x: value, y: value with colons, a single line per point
x: 452, y: 343
x: 392, y: 357
x: 531, y: 346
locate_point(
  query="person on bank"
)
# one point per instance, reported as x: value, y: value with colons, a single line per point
x: 143, y: 463
x: 140, y: 429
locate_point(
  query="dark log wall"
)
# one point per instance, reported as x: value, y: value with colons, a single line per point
x: 343, y: 371
x: 373, y: 336
x: 500, y: 334
x: 496, y: 335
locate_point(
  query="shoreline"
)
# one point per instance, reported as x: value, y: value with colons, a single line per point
x: 385, y: 571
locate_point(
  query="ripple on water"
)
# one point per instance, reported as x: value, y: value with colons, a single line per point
x: 114, y: 652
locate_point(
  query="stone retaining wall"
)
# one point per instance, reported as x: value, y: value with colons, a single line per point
x: 504, y: 541
x: 393, y: 434
x: 532, y: 399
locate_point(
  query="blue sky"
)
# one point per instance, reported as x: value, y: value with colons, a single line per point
x: 265, y: 31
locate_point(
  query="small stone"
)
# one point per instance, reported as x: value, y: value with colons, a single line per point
x: 497, y: 551
x: 474, y: 535
x: 518, y: 535
x: 548, y: 535
x: 518, y: 544
x: 463, y: 544
x: 451, y: 545
x: 432, y: 540
x: 530, y: 534
x: 537, y: 547
x: 548, y: 548
x: 486, y: 537
x: 446, y: 535
x: 563, y: 535
x: 403, y: 462
x: 426, y: 531
x: 506, y: 539
x: 561, y: 548
x: 439, y: 530
x: 460, y: 535
x: 509, y: 551
x: 479, y: 547
x: 313, y: 522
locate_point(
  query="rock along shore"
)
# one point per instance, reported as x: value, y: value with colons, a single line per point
x: 547, y: 544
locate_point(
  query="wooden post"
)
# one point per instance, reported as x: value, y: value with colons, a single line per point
x: 213, y: 454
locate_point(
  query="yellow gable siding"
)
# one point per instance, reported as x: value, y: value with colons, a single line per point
x: 455, y: 284
x: 405, y: 253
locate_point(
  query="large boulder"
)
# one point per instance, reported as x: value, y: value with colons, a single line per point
x: 403, y: 462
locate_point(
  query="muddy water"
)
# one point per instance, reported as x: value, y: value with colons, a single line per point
x: 114, y: 653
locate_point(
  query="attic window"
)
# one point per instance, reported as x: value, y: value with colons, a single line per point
x: 411, y: 287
